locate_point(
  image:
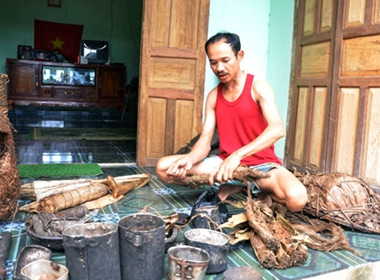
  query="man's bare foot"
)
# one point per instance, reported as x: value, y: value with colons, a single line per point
x: 226, y: 190
x: 265, y: 197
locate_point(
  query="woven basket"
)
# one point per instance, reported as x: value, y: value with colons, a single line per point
x: 9, y: 177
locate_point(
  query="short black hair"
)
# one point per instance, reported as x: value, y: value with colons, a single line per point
x: 230, y: 38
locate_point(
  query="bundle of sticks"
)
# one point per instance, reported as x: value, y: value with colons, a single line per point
x: 279, y: 237
x: 53, y: 196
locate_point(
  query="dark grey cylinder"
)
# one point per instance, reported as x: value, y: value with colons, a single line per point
x: 214, y: 242
x: 92, y: 251
x: 142, y: 247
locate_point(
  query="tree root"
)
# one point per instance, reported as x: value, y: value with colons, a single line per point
x: 242, y: 173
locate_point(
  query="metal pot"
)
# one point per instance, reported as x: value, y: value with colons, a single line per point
x: 44, y: 269
x: 92, y: 251
x: 214, y: 242
x: 28, y: 255
x: 187, y: 262
x: 142, y: 247
x: 209, y: 214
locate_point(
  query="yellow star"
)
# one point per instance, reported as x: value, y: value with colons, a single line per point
x: 57, y: 44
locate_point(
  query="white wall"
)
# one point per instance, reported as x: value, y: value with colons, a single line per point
x: 250, y: 20
x: 280, y: 58
x: 265, y: 30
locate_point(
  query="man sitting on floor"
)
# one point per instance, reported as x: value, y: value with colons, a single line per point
x: 243, y: 110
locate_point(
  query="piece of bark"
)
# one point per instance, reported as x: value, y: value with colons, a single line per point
x: 235, y: 220
x: 102, y: 202
x: 243, y: 174
x: 265, y: 256
x: 257, y: 215
x: 121, y: 188
x: 290, y: 253
x: 5, y: 245
x: 125, y: 188
x: 239, y: 234
x: 318, y: 234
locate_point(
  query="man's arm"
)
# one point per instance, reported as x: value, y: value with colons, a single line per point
x: 202, y: 147
x: 264, y: 96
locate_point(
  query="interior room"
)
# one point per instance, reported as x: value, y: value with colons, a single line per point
x: 99, y: 114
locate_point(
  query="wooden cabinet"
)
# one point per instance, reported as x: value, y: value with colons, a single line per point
x: 63, y: 84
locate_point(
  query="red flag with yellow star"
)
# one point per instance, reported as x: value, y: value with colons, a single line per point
x: 61, y: 37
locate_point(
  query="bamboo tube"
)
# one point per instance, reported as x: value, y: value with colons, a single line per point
x: 57, y: 202
x: 97, y: 194
x: 40, y: 189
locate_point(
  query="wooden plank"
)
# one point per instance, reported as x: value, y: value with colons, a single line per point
x: 346, y: 130
x: 183, y: 113
x: 327, y: 15
x: 376, y: 13
x: 156, y: 109
x: 309, y: 17
x: 299, y: 139
x: 172, y: 73
x: 160, y: 22
x: 169, y: 128
x: 317, y: 127
x: 361, y: 56
x: 371, y: 161
x: 183, y: 34
x: 315, y: 60
x: 355, y: 13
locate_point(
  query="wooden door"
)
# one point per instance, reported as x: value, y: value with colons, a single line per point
x: 172, y: 68
x: 335, y: 100
x: 111, y: 84
x: 24, y: 78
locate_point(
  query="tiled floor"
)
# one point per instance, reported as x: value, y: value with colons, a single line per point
x: 117, y: 158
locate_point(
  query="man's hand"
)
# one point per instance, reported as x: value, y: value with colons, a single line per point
x: 179, y: 168
x: 225, y: 171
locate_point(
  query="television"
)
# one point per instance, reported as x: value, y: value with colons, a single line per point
x: 94, y: 52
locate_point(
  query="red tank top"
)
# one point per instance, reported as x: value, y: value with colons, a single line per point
x: 239, y: 123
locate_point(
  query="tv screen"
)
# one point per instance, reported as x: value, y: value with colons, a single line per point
x: 95, y: 52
